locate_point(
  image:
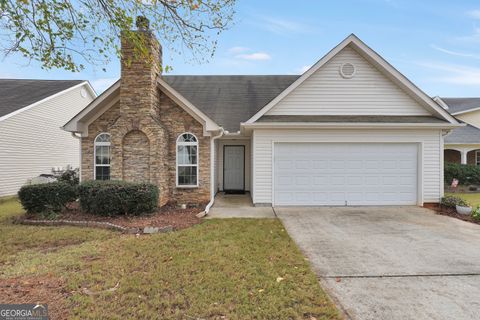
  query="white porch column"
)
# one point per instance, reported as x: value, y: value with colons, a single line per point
x: 463, y: 156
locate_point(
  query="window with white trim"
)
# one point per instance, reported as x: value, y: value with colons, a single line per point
x: 477, y: 157
x: 102, y: 155
x: 187, y: 160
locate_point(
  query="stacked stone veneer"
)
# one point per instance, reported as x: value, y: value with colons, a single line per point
x: 144, y: 126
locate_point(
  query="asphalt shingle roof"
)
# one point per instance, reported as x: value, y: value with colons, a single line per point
x: 467, y: 134
x: 18, y: 93
x: 229, y: 100
x: 461, y: 104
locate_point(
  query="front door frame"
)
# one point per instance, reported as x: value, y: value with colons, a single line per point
x: 243, y: 175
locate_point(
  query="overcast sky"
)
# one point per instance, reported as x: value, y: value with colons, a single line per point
x: 436, y: 44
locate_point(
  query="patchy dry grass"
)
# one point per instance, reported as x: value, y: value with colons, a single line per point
x: 20, y: 240
x: 220, y: 269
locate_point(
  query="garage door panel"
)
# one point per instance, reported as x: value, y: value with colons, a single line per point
x: 285, y: 164
x: 320, y: 164
x: 332, y: 174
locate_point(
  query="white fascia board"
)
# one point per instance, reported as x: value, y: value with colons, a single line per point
x: 379, y: 62
x: 84, y: 83
x: 74, y: 125
x: 344, y: 125
x: 461, y: 143
x: 466, y: 111
x: 82, y: 126
x: 209, y: 124
x: 91, y: 89
x: 442, y: 103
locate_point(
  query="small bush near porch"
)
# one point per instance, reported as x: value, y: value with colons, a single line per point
x: 110, y: 198
x: 219, y: 269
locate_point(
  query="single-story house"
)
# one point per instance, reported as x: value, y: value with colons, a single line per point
x: 352, y: 130
x: 31, y: 114
x: 462, y: 145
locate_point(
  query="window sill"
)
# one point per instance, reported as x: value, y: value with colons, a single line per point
x: 186, y: 187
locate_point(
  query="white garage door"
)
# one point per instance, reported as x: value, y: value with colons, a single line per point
x: 345, y: 174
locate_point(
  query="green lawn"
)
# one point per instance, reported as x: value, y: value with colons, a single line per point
x: 472, y: 198
x: 220, y: 269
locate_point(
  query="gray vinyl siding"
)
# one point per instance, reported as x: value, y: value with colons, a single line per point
x: 32, y: 142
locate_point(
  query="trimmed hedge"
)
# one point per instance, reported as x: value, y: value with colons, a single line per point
x: 46, y: 197
x: 465, y: 173
x: 110, y: 198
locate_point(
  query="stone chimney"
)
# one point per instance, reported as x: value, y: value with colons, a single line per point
x: 138, y: 89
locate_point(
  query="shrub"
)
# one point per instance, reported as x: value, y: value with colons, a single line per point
x: 69, y: 176
x: 46, y: 197
x: 453, y: 201
x: 476, y: 213
x: 465, y: 173
x: 110, y: 198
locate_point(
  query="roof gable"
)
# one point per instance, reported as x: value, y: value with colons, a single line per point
x: 417, y: 100
x: 16, y: 94
x: 367, y: 92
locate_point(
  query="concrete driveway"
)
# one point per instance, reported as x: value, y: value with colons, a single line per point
x: 391, y: 262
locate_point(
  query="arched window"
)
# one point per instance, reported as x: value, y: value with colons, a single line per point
x: 187, y: 160
x: 102, y: 157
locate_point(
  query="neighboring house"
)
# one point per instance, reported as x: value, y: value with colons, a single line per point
x: 351, y: 130
x: 462, y: 145
x: 31, y: 141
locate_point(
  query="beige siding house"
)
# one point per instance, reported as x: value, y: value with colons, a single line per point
x: 31, y: 140
x: 351, y: 130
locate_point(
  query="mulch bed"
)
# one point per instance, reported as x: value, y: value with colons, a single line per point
x: 166, y: 216
x: 39, y: 289
x: 451, y: 212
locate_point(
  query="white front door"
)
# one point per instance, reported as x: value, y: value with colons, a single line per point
x: 345, y: 174
x: 233, y: 168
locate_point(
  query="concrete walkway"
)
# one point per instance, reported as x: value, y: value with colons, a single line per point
x: 237, y: 206
x: 391, y: 262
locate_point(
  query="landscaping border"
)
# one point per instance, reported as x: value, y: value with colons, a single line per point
x: 76, y: 223
x: 95, y: 224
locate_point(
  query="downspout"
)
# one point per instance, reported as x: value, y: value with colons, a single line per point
x: 74, y: 134
x: 212, y: 174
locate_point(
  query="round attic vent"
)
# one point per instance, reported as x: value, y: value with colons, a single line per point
x: 83, y: 93
x: 347, y: 70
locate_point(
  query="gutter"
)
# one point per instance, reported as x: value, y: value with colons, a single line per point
x: 212, y: 174
x: 343, y: 125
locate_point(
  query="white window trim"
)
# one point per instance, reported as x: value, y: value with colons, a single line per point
x: 100, y: 144
x: 186, y: 165
x: 476, y: 157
